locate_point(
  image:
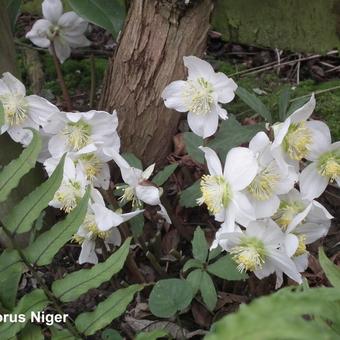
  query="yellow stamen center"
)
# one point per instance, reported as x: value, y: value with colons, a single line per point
x: 301, y: 249
x: 69, y: 195
x: 328, y: 165
x: 15, y: 109
x: 93, y: 166
x: 78, y: 134
x: 286, y: 212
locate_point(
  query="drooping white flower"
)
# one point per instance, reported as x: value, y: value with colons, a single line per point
x: 296, y: 137
x: 91, y: 161
x: 200, y: 96
x: 270, y: 181
x: 66, y: 30
x: 21, y: 111
x: 72, y: 188
x: 137, y: 188
x: 222, y: 190
x: 100, y: 222
x: 260, y: 249
x: 80, y: 131
x: 324, y: 168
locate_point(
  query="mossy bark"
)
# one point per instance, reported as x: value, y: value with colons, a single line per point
x: 156, y: 36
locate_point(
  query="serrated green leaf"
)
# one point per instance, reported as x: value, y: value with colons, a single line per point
x: 78, y: 283
x: 170, y: 296
x: 32, y: 302
x: 106, y: 311
x: 20, y: 220
x: 192, y: 142
x: 200, y: 246
x: 192, y: 263
x: 331, y: 270
x: 280, y: 316
x: 108, y: 14
x: 152, y: 335
x: 232, y: 134
x: 284, y: 99
x: 31, y: 332
x: 225, y: 268
x: 11, y: 268
x: 44, y: 248
x: 208, y: 291
x: 254, y: 103
x: 133, y: 160
x: 137, y: 225
x: 164, y: 174
x: 194, y: 279
x: 189, y: 196
x: 2, y: 114
x: 12, y: 173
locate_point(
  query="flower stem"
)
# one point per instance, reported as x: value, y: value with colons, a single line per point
x: 61, y: 80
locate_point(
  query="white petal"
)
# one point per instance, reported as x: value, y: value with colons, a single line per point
x: 319, y: 213
x: 313, y: 231
x: 298, y: 218
x: 301, y: 262
x: 14, y: 84
x: 229, y: 225
x: 97, y: 197
x: 62, y: 49
x: 287, y: 182
x: 280, y: 131
x: 114, y: 237
x: 103, y: 178
x: 222, y: 113
x: 173, y: 96
x: 4, y: 88
x: 38, y: 33
x: 291, y: 244
x: 240, y: 167
x: 40, y: 109
x: 266, y: 270
x: 88, y: 253
x: 265, y: 208
x: 148, y: 194
x: 52, y: 10
x: 131, y: 214
x: 203, y: 125
x: 72, y: 24
x: 57, y: 146
x: 164, y: 214
x: 259, y: 142
x: 245, y: 211
x: 213, y: 162
x: 321, y: 137
x: 20, y: 135
x: 312, y: 184
x: 74, y: 117
x: 148, y: 171
x: 304, y: 112
x: 198, y: 68
x: 224, y: 87
x: 106, y: 218
x: 77, y: 41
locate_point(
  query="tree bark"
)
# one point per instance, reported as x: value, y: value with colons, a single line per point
x: 156, y: 36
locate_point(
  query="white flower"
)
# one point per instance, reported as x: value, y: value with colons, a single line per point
x: 72, y: 188
x: 64, y: 30
x: 221, y: 190
x: 199, y: 95
x: 324, y: 168
x: 296, y: 137
x: 80, y: 131
x: 260, y: 249
x: 270, y: 181
x: 137, y: 189
x: 91, y: 161
x: 22, y: 111
x: 100, y: 222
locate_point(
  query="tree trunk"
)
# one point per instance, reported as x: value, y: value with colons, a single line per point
x: 156, y: 36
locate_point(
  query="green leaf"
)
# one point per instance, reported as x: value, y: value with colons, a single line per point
x: 28, y: 210
x: 225, y: 268
x: 164, y: 174
x: 214, y: 253
x: 13, y: 8
x: 208, y: 291
x: 31, y: 332
x: 2, y: 114
x: 232, y: 134
x: 137, y: 225
x: 32, y: 302
x: 200, y: 246
x: 284, y: 99
x: 189, y: 196
x: 78, y: 283
x: 61, y: 334
x: 133, y: 160
x: 152, y: 335
x: 106, y: 311
x: 170, y: 296
x: 11, y: 268
x: 16, y: 169
x: 331, y: 270
x: 192, y: 142
x: 194, y: 279
x: 108, y: 14
x: 254, y: 103
x: 192, y: 263
x: 44, y: 248
x: 280, y: 316
x: 111, y: 334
